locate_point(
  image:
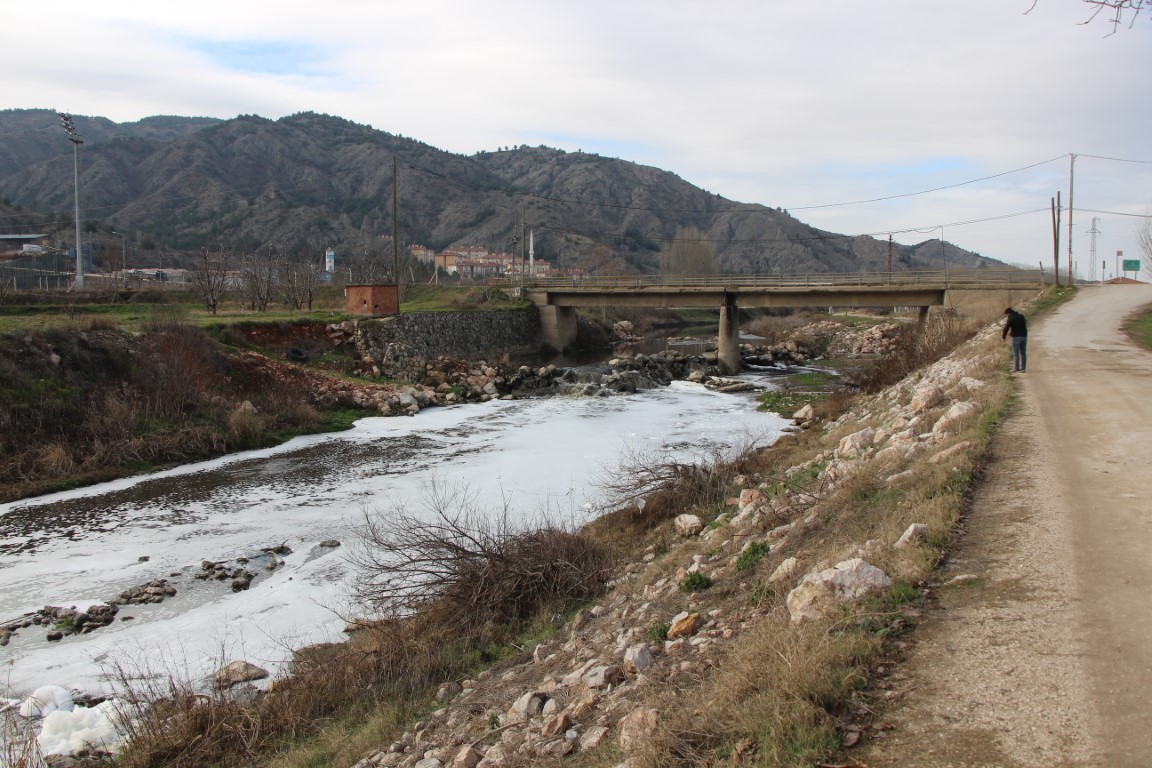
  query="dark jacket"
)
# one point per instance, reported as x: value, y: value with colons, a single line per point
x: 1015, y: 325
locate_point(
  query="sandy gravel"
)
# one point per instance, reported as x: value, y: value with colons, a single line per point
x: 1045, y: 658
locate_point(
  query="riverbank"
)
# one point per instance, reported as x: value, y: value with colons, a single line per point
x: 751, y: 631
x: 723, y: 635
x: 90, y: 403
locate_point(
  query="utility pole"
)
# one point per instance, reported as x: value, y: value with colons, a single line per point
x: 395, y: 236
x: 889, y: 258
x: 1056, y: 238
x: 1092, y: 248
x: 1071, y: 179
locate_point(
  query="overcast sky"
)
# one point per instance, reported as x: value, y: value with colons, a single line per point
x: 799, y: 104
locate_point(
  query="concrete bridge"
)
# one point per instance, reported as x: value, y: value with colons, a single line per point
x: 558, y: 298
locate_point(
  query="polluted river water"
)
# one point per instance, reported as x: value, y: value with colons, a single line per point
x: 533, y: 456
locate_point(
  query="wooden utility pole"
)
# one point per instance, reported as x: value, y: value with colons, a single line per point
x: 1056, y: 239
x: 889, y: 258
x: 1071, y: 180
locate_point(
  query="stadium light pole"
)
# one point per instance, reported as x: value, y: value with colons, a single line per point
x: 70, y: 129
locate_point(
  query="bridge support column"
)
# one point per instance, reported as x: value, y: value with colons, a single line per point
x: 922, y: 317
x: 729, y: 337
x: 558, y: 325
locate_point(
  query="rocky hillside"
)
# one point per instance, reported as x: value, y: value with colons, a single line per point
x: 308, y: 181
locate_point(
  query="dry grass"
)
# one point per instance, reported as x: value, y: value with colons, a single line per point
x: 782, y: 696
x: 19, y: 747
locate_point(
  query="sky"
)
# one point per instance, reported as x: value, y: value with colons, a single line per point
x: 950, y: 118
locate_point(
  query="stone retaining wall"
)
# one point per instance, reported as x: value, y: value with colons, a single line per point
x: 402, y: 346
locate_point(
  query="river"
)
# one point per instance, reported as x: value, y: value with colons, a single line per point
x: 84, y: 547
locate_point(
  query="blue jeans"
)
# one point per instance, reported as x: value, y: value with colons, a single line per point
x: 1019, y: 353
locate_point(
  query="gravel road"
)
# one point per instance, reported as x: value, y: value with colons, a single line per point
x: 1045, y: 657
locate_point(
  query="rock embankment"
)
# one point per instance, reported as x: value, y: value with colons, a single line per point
x: 607, y: 681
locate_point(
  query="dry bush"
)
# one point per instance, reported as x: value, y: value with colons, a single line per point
x: 55, y: 460
x: 658, y: 487
x: 245, y: 422
x: 181, y: 368
x: 917, y: 346
x: 470, y: 566
x: 304, y: 415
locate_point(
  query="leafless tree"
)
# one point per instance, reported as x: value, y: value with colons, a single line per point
x: 691, y: 252
x: 472, y: 562
x: 210, y: 278
x: 1118, y: 12
x: 296, y: 280
x: 257, y: 277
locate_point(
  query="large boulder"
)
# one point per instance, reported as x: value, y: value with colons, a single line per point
x: 855, y: 444
x: 238, y: 672
x: 688, y: 525
x: 819, y: 593
x: 955, y: 417
x: 637, y: 728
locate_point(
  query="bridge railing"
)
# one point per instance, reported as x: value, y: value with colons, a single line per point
x: 935, y: 278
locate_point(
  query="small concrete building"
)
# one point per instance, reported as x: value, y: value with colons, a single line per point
x: 372, y: 300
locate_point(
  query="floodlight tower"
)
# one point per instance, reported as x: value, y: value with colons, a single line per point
x: 70, y: 129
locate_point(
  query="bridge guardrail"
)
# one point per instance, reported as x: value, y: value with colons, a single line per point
x: 935, y: 278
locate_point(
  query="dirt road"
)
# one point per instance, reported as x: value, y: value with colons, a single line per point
x: 1044, y: 658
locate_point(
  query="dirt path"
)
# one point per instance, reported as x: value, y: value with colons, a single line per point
x: 1045, y: 659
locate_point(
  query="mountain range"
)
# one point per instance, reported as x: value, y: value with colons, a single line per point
x: 310, y: 181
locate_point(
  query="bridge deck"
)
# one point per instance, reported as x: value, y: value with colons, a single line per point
x: 873, y: 289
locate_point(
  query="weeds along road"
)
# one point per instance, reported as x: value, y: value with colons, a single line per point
x: 1045, y: 658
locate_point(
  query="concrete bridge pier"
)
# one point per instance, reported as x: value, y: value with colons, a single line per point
x: 729, y: 337
x: 558, y: 325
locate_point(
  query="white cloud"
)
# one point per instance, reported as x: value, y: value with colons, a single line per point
x: 788, y: 103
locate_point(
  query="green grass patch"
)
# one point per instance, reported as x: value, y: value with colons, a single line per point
x: 1139, y: 329
x: 1053, y: 297
x: 811, y: 379
x: 786, y: 402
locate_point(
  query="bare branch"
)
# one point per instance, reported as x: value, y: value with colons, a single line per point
x: 471, y: 565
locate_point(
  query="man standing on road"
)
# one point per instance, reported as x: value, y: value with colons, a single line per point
x: 1016, y: 326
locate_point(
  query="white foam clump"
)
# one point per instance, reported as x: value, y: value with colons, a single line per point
x: 65, y: 732
x: 45, y: 700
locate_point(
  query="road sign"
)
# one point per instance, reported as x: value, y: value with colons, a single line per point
x: 1131, y: 265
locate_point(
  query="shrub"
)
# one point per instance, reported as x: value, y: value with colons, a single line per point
x: 695, y: 582
x: 752, y: 555
x: 245, y: 422
x: 473, y: 567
